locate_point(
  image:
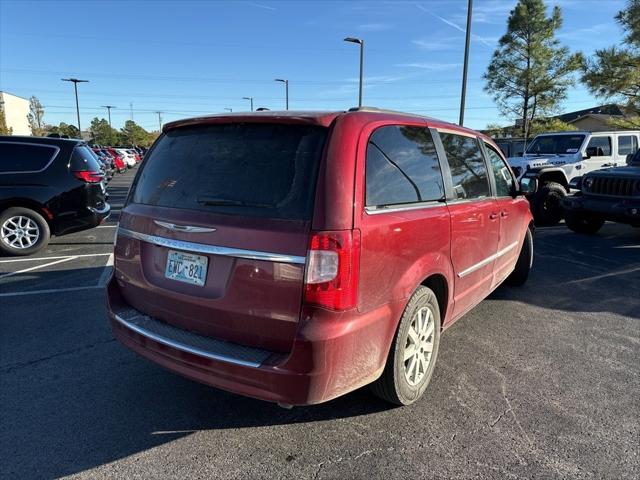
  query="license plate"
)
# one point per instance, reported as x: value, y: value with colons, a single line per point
x: 186, y: 267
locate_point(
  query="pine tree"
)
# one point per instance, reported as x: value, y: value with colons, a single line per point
x: 530, y: 71
x: 614, y: 72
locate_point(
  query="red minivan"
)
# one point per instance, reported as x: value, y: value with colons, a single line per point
x: 297, y: 256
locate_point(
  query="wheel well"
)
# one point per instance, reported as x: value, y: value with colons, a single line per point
x: 556, y: 176
x: 26, y: 203
x: 438, y: 283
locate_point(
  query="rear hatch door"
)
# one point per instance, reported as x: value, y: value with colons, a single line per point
x: 214, y: 236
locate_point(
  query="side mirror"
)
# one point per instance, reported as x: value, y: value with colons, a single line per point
x: 629, y: 157
x: 592, y: 152
x: 528, y: 185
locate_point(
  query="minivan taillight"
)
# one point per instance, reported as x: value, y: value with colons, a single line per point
x: 88, y: 177
x: 333, y: 262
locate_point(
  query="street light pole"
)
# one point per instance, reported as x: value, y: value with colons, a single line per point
x: 160, y: 120
x: 286, y: 91
x: 229, y: 110
x: 361, y: 43
x: 76, y: 81
x: 466, y: 62
x: 250, y: 99
x: 109, y: 107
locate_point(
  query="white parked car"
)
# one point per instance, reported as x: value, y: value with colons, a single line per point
x: 129, y: 159
x: 558, y: 160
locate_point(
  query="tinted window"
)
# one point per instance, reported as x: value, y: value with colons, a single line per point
x: 266, y: 170
x: 83, y: 159
x: 19, y: 157
x: 402, y: 167
x: 558, y: 144
x: 501, y: 173
x: 468, y: 170
x: 627, y: 144
x: 603, y: 145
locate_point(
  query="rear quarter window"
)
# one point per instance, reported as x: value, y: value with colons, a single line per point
x: 262, y: 170
x: 21, y: 157
x: 402, y: 167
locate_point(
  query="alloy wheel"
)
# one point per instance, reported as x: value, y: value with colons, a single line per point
x: 20, y: 232
x: 419, y: 346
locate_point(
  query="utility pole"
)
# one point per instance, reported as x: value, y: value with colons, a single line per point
x: 160, y: 120
x: 250, y: 99
x: 76, y: 81
x: 109, y: 107
x: 466, y: 62
x: 131, y: 110
x: 286, y: 92
x: 360, y: 42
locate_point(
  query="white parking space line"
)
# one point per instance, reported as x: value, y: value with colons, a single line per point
x: 107, y: 226
x: 106, y: 272
x: 50, y: 290
x: 66, y: 259
x: 35, y: 259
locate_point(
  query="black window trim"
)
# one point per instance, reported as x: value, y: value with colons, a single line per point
x: 451, y: 196
x: 53, y: 157
x: 492, y: 179
x: 401, y: 207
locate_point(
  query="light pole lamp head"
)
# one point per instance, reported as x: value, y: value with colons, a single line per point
x: 281, y: 80
x: 247, y: 98
x: 354, y: 40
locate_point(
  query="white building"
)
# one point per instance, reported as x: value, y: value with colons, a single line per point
x: 16, y: 110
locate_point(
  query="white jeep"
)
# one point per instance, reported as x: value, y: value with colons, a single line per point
x: 557, y: 160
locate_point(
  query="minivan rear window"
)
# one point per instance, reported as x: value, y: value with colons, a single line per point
x: 261, y: 169
x: 84, y: 159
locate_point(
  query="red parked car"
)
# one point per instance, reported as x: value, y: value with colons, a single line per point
x: 121, y: 167
x: 295, y: 257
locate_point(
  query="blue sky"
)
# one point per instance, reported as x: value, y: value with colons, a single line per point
x: 188, y: 58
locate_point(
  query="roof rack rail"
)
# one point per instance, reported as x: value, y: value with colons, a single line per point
x: 384, y: 110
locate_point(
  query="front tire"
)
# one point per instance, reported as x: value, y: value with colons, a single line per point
x: 546, y: 204
x: 22, y: 231
x: 414, y: 351
x: 520, y: 273
x: 586, y: 224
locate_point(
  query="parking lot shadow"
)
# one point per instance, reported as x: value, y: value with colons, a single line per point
x: 74, y: 398
x: 583, y: 273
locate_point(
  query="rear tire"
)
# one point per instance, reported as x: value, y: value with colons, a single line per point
x: 584, y: 223
x: 520, y: 273
x: 414, y: 351
x: 546, y: 204
x: 22, y: 231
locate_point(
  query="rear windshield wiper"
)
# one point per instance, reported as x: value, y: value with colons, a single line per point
x: 227, y: 202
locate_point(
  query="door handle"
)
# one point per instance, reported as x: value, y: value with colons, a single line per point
x: 493, y: 216
x: 504, y: 213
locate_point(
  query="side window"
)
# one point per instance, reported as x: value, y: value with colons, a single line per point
x: 627, y: 144
x: 602, y: 146
x: 501, y: 173
x: 17, y: 157
x: 468, y: 170
x: 402, y: 167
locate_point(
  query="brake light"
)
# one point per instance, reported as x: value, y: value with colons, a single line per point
x: 333, y: 265
x: 88, y: 177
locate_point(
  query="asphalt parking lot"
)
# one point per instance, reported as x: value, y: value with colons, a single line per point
x: 537, y: 382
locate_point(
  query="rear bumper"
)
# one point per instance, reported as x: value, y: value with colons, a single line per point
x: 332, y: 354
x: 83, y: 220
x: 614, y: 209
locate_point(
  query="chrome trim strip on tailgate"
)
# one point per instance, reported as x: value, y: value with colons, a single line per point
x: 184, y: 347
x: 212, y: 249
x: 487, y: 260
